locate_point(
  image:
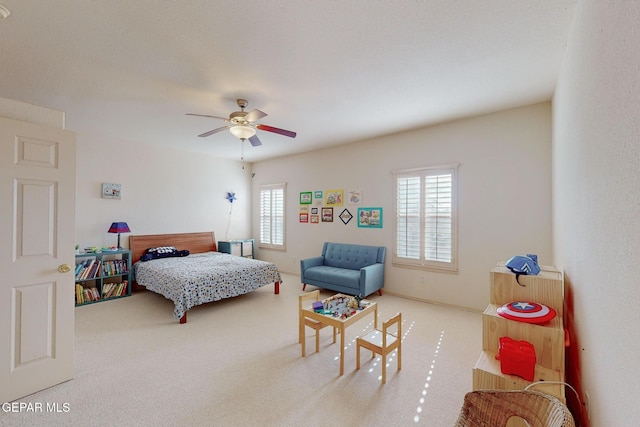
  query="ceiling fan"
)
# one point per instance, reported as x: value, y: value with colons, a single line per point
x: 242, y: 124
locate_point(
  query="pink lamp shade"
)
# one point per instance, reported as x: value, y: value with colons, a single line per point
x: 119, y: 227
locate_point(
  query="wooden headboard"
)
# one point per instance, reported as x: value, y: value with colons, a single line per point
x: 193, y: 242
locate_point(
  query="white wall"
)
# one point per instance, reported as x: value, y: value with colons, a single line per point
x: 596, y: 150
x: 504, y: 202
x: 31, y: 113
x: 163, y: 191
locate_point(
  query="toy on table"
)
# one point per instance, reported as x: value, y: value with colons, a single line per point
x: 340, y: 305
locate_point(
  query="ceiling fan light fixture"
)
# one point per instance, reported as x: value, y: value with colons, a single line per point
x: 242, y: 132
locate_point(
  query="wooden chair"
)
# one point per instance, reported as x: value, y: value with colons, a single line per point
x: 314, y: 296
x: 496, y: 407
x: 383, y: 342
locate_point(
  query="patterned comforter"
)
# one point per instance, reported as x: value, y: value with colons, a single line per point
x: 200, y: 278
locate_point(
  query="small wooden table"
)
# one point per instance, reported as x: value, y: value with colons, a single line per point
x: 337, y: 322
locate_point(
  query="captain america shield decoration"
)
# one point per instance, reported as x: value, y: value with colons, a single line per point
x: 528, y: 312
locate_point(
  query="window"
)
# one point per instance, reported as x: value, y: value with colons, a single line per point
x: 426, y: 218
x: 272, y: 202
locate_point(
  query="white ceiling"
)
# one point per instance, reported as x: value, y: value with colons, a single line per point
x: 333, y: 71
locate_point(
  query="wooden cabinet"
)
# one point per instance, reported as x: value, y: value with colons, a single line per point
x: 548, y: 339
x: 102, y: 276
x: 238, y: 247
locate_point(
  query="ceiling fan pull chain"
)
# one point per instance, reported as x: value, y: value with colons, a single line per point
x: 242, y: 152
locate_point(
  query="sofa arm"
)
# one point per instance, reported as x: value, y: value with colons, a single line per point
x: 311, y: 262
x: 308, y: 263
x: 371, y: 278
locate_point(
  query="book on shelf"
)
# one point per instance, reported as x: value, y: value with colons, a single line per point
x: 114, y: 267
x: 95, y: 267
x: 89, y: 269
x: 80, y: 267
x: 84, y: 274
x: 79, y: 296
x: 112, y: 290
x: 86, y: 294
x: 107, y: 289
x: 108, y: 268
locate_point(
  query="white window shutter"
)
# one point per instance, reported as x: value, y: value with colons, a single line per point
x: 426, y: 220
x: 272, y: 218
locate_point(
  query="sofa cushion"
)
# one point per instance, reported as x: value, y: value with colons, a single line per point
x: 343, y: 276
x: 350, y: 256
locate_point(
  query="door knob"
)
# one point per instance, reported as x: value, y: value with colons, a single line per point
x: 64, y: 268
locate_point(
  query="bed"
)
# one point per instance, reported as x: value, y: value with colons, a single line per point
x: 203, y: 276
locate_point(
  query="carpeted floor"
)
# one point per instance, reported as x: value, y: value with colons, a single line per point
x: 237, y: 363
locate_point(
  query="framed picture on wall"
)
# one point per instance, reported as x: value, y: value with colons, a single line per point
x: 304, y: 217
x: 305, y: 198
x: 333, y: 198
x: 317, y: 194
x: 370, y: 217
x: 354, y: 197
x: 111, y: 191
x: 327, y: 214
x: 346, y: 216
x: 315, y: 219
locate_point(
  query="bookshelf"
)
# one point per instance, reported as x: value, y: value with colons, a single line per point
x: 102, y: 276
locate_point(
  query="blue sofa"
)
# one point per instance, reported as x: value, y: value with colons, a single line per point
x: 346, y: 268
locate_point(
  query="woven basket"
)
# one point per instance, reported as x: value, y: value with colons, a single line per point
x: 493, y: 408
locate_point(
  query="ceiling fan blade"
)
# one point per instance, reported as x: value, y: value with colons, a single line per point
x: 206, y: 115
x: 255, y: 141
x: 277, y: 130
x: 211, y: 132
x: 254, y: 115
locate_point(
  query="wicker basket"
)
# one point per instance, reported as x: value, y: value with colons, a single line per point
x: 493, y: 408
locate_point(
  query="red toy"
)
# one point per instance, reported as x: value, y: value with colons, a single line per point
x: 528, y: 312
x: 517, y: 358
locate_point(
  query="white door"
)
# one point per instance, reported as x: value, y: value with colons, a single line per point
x: 37, y: 219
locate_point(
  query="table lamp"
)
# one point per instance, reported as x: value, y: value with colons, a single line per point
x: 119, y: 227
